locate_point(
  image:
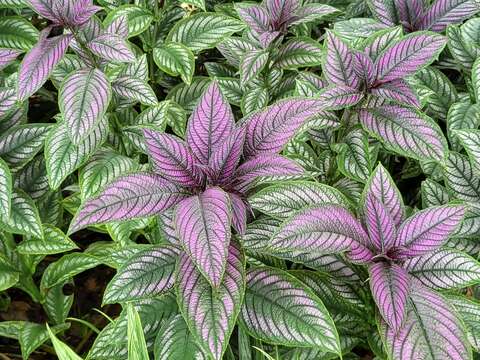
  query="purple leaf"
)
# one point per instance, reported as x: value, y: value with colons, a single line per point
x: 269, y: 130
x: 40, y: 61
x: 390, y: 288
x: 384, y: 11
x: 363, y: 67
x: 128, y: 197
x: 281, y: 11
x: 119, y: 26
x: 382, y: 186
x: 380, y: 224
x: 111, y: 47
x: 409, y: 12
x: 405, y: 131
x: 408, y: 55
x: 428, y: 229
x: 398, y: 90
x: 339, y: 96
x: 203, y: 227
x: 83, y: 100
x: 210, y: 123
x: 381, y: 41
x: 447, y: 12
x: 239, y: 213
x: 339, y: 63
x: 172, y: 158
x: 226, y: 156
x: 211, y: 314
x: 256, y: 17
x: 264, y: 165
x: 83, y: 10
x: 7, y: 56
x: 44, y: 8
x: 321, y: 229
x: 268, y: 37
x: 431, y: 330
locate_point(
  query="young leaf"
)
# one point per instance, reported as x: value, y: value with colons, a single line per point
x: 280, y: 309
x: 338, y: 66
x: 211, y: 313
x: 203, y: 227
x: 380, y: 224
x: 175, y: 59
x: 137, y: 347
x: 83, y: 100
x: 63, y: 351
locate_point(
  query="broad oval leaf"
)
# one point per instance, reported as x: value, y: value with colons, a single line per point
x: 83, y: 100
x: 111, y: 47
x: 298, y: 52
x: 211, y: 313
x: 280, y: 309
x: 138, y: 18
x: 175, y: 59
x: 135, y: 89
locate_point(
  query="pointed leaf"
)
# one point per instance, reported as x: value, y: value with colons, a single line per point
x: 251, y: 65
x: 39, y: 62
x: 54, y: 242
x: 128, y: 197
x: 256, y: 17
x: 460, y: 178
x: 24, y: 218
x: 384, y: 11
x: 298, y: 52
x: 444, y: 269
x: 470, y: 140
x: 280, y: 309
x: 211, y: 121
x: 469, y: 312
x: 175, y: 59
x: 63, y: 351
x: 380, y: 224
x: 408, y: 55
x: 83, y: 100
x: 355, y: 159
x: 5, y: 190
x: 429, y: 229
x: 398, y: 90
x: 447, y: 12
x: 137, y: 346
x: 111, y: 47
x: 211, y: 313
x: 339, y: 63
x: 135, y: 89
x: 337, y: 97
x: 203, y: 227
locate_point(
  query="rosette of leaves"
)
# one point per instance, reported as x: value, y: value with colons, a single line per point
x: 406, y: 260
x: 205, y: 180
x: 373, y: 79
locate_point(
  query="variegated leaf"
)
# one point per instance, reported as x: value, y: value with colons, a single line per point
x: 355, y: 159
x: 5, y: 190
x: 211, y: 313
x: 298, y: 52
x: 203, y: 227
x: 135, y: 89
x: 280, y: 309
x: 338, y: 97
x: 470, y: 140
x: 111, y: 47
x: 175, y: 59
x: 338, y: 63
x: 446, y: 12
x: 469, y: 311
x: 251, y: 65
x: 460, y: 178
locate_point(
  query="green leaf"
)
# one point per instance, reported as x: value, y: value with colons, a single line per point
x: 355, y: 159
x: 5, y: 190
x: 204, y: 30
x: 62, y: 350
x: 148, y: 273
x: 470, y: 140
x: 63, y: 157
x: 139, y: 18
x: 284, y: 199
x: 57, y: 305
x: 24, y: 218
x: 175, y: 59
x: 433, y: 194
x: 197, y: 3
x: 33, y: 336
x: 254, y: 99
x: 135, y: 89
x: 476, y: 80
x: 299, y: 52
x: 54, y: 242
x: 67, y: 267
x: 174, y: 342
x: 137, y: 347
x: 279, y: 309
x: 16, y: 32
x: 13, y: 4
x: 461, y: 116
x: 469, y: 311
x: 9, y: 275
x: 187, y: 96
x: 462, y: 49
x: 252, y: 64
x: 460, y: 178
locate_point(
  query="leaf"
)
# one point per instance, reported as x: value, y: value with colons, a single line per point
x: 313, y: 12
x: 203, y: 227
x: 63, y: 351
x: 111, y: 47
x: 444, y: 269
x: 174, y: 342
x: 226, y: 156
x: 172, y: 158
x: 429, y: 229
x: 279, y: 309
x: 39, y: 62
x: 137, y: 346
x: 446, y: 12
x: 355, y: 159
x: 269, y: 130
x: 461, y: 48
x: 284, y: 199
x: 211, y: 121
x: 104, y: 166
x: 128, y: 197
x: 323, y: 229
x: 398, y: 90
x: 7, y: 56
x: 134, y: 89
x: 211, y: 313
x: 9, y: 276
x: 17, y: 33
x: 19, y: 144
x: 53, y: 242
x: 252, y: 64
x: 339, y: 97
x: 63, y: 157
x: 470, y: 140
x: 390, y: 289
x: 433, y: 194
x: 175, y: 59
x: 460, y: 178
x: 464, y: 116
x: 5, y: 190
x: 298, y: 52
x: 408, y: 55
x: 338, y: 64
x: 24, y: 218
x: 405, y: 131
x: 380, y: 224
x: 203, y: 30
x: 469, y: 311
x: 8, y: 97
x: 83, y: 101
x: 146, y: 274
x: 431, y: 330
x: 138, y: 18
